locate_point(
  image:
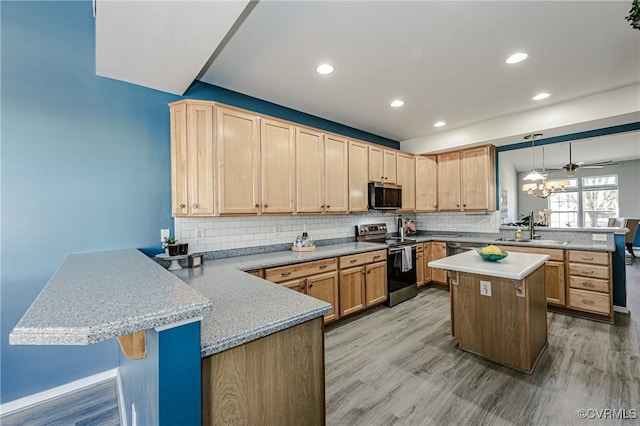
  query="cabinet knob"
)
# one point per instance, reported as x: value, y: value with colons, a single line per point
x: 457, y: 205
x: 257, y: 205
x: 310, y: 285
x: 464, y: 205
x: 194, y: 205
x: 322, y: 206
x: 266, y: 205
x: 182, y: 206
x: 301, y: 286
x: 328, y: 207
x: 369, y: 271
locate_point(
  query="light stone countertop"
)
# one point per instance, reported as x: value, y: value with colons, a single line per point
x: 245, y: 307
x: 97, y: 296
x: 516, y: 266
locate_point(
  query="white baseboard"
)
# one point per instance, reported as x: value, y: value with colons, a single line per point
x: 39, y: 397
x: 621, y: 309
x: 123, y: 410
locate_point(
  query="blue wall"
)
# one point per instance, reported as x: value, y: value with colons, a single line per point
x: 85, y: 167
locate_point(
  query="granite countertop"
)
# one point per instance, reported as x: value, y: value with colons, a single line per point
x: 246, y: 307
x: 516, y: 266
x: 576, y: 241
x: 97, y: 296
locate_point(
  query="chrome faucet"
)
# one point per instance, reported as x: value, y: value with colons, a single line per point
x: 532, y: 228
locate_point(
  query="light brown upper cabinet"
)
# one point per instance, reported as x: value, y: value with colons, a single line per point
x: 358, y: 177
x: 277, y: 165
x: 426, y: 183
x: 382, y: 164
x: 406, y: 177
x: 466, y: 179
x: 192, y: 159
x: 336, y: 174
x: 309, y: 171
x: 237, y: 161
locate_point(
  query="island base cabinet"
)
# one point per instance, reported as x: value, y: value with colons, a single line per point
x: 275, y: 380
x: 509, y: 326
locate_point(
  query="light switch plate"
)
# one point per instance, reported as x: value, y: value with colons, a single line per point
x: 164, y: 234
x: 485, y: 288
x: 599, y: 237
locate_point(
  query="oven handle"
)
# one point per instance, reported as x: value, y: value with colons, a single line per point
x: 398, y: 250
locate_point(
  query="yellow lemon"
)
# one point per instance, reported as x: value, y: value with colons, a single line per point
x: 491, y: 250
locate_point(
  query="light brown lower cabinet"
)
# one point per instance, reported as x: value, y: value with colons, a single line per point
x: 318, y: 279
x: 275, y: 380
x: 420, y: 265
x: 438, y: 251
x: 363, y: 281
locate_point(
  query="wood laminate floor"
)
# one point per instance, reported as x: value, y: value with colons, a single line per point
x: 400, y: 366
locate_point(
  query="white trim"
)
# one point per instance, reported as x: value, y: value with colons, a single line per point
x: 622, y: 309
x: 178, y: 324
x: 123, y: 412
x: 39, y: 397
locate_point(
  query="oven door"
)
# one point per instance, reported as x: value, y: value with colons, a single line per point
x: 400, y: 285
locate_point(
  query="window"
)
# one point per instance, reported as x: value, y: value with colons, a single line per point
x: 588, y: 202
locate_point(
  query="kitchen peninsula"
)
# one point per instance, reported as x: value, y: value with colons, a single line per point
x: 498, y: 309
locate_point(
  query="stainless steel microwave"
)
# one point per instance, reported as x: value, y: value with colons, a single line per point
x: 385, y: 196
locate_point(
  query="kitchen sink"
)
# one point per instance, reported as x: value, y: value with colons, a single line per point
x: 551, y: 242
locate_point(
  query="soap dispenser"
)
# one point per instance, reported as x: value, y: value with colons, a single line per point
x: 518, y: 234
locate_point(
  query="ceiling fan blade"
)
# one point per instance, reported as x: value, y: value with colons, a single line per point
x: 592, y: 166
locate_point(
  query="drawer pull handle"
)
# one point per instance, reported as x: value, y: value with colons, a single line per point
x: 588, y: 284
x: 286, y: 274
x: 587, y: 272
x: 588, y: 302
x: 353, y: 260
x: 587, y: 258
x: 323, y: 266
x: 376, y: 257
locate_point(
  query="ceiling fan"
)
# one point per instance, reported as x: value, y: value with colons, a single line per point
x: 571, y: 167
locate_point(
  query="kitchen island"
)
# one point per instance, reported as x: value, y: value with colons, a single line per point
x: 498, y: 309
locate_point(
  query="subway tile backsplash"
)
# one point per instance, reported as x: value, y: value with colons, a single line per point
x: 225, y: 233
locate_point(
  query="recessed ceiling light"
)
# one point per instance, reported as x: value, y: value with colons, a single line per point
x: 439, y: 124
x: 541, y: 96
x: 324, y: 69
x: 397, y: 103
x: 517, y: 57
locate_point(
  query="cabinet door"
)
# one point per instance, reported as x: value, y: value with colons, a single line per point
x: 179, y: 182
x: 336, y: 175
x: 325, y: 287
x: 200, y: 159
x: 309, y: 171
x: 277, y: 154
x: 426, y: 183
x: 375, y: 291
x: 351, y: 290
x: 389, y: 166
x: 449, y: 181
x: 358, y: 180
x: 478, y: 181
x: 420, y: 268
x: 554, y: 282
x: 299, y: 285
x: 406, y: 177
x: 427, y: 259
x: 438, y: 251
x: 376, y: 174
x: 238, y: 162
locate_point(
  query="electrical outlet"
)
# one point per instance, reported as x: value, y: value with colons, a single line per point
x: 599, y: 237
x: 485, y: 288
x: 200, y: 233
x: 164, y: 234
x: 276, y: 228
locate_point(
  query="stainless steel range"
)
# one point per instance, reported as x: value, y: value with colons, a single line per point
x: 401, y: 261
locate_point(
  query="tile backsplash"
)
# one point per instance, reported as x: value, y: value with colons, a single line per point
x: 224, y: 233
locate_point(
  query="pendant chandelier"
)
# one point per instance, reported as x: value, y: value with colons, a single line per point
x: 545, y: 188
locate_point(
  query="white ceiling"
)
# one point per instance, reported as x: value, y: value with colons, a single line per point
x: 444, y: 59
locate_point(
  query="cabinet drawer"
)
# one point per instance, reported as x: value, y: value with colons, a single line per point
x: 590, y: 257
x: 584, y: 270
x: 420, y: 247
x: 286, y: 273
x: 589, y: 301
x: 362, y: 258
x: 590, y: 284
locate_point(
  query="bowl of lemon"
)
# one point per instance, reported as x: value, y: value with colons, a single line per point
x: 491, y: 253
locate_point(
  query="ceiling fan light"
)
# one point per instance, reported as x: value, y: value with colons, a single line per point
x: 516, y: 57
x: 541, y: 96
x: 529, y: 187
x: 533, y: 175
